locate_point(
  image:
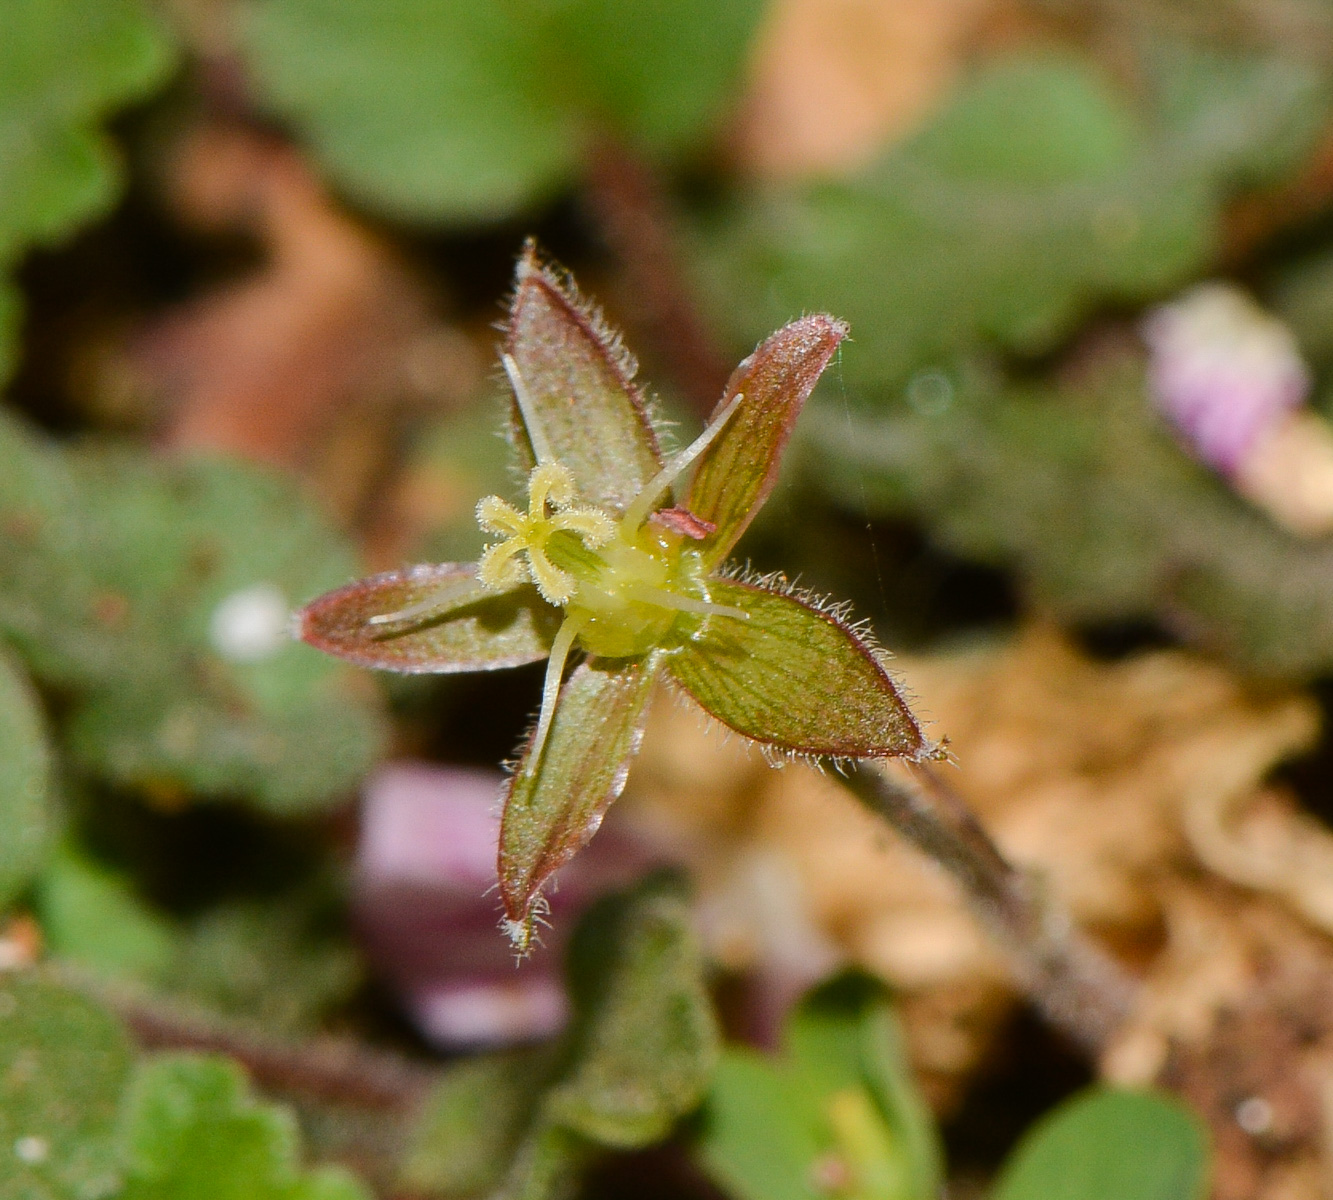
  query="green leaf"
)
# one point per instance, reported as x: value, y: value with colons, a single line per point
x: 25, y: 784
x: 474, y: 1122
x: 637, y: 1058
x: 91, y: 914
x: 740, y: 468
x: 647, y: 1041
x: 275, y: 963
x: 795, y: 676
x: 64, y: 64
x: 553, y: 808
x: 192, y: 1131
x: 468, y: 628
x: 1110, y: 1145
x: 155, y: 594
x: 579, y: 381
x: 1036, y: 192
x: 63, y: 1064
x: 839, y: 1103
x: 442, y: 109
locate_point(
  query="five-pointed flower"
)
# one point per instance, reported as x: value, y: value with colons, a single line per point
x: 602, y: 566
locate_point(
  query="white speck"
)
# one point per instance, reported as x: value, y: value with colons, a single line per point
x: 32, y: 1150
x: 1254, y: 1115
x: 250, y: 625
x: 930, y: 393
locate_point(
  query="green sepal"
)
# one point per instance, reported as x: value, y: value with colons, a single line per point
x: 579, y: 378
x: 738, y: 471
x: 795, y: 677
x: 552, y: 810
x: 469, y: 628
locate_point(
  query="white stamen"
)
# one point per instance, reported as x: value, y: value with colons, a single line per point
x: 531, y: 422
x: 422, y: 608
x: 664, y: 599
x: 555, y: 669
x: 642, y: 504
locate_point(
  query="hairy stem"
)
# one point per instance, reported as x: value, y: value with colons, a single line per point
x: 1076, y: 985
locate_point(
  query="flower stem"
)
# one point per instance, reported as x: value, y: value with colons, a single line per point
x: 1077, y: 986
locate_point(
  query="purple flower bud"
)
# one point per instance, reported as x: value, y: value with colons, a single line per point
x: 427, y: 909
x: 1223, y: 371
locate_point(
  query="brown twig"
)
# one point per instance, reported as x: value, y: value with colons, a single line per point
x: 1077, y: 986
x: 630, y: 207
x: 334, y: 1070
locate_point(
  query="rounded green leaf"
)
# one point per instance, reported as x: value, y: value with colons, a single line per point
x: 192, y: 1131
x: 63, y: 1065
x: 1110, y: 1145
x: 25, y: 784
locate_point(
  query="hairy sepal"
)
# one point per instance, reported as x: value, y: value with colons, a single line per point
x: 579, y: 379
x: 551, y: 812
x: 796, y: 678
x: 739, y: 470
x: 469, y: 627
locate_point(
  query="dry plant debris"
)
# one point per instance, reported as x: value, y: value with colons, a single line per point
x: 1135, y: 790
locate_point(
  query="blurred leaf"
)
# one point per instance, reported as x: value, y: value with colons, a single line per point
x: 270, y: 962
x: 837, y: 1113
x: 1109, y: 1145
x: 1036, y: 192
x: 25, y: 784
x: 638, y: 1058
x: 157, y: 594
x: 646, y: 1042
x: 91, y: 914
x: 1087, y: 495
x: 449, y: 110
x: 64, y: 64
x: 63, y: 1063
x: 193, y: 1132
x: 474, y: 1122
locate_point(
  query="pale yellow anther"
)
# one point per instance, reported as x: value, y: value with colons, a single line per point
x: 550, y: 485
x: 499, y: 516
x: 555, y: 585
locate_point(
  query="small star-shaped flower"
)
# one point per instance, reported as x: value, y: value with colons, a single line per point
x: 603, y: 566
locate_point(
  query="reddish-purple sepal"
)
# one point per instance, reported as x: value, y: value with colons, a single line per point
x: 738, y: 471
x: 465, y: 626
x: 795, y: 677
x: 552, y: 812
x: 579, y: 379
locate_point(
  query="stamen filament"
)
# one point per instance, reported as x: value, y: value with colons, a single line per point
x: 665, y: 599
x: 531, y: 422
x: 642, y: 504
x: 422, y: 608
x: 555, y: 670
